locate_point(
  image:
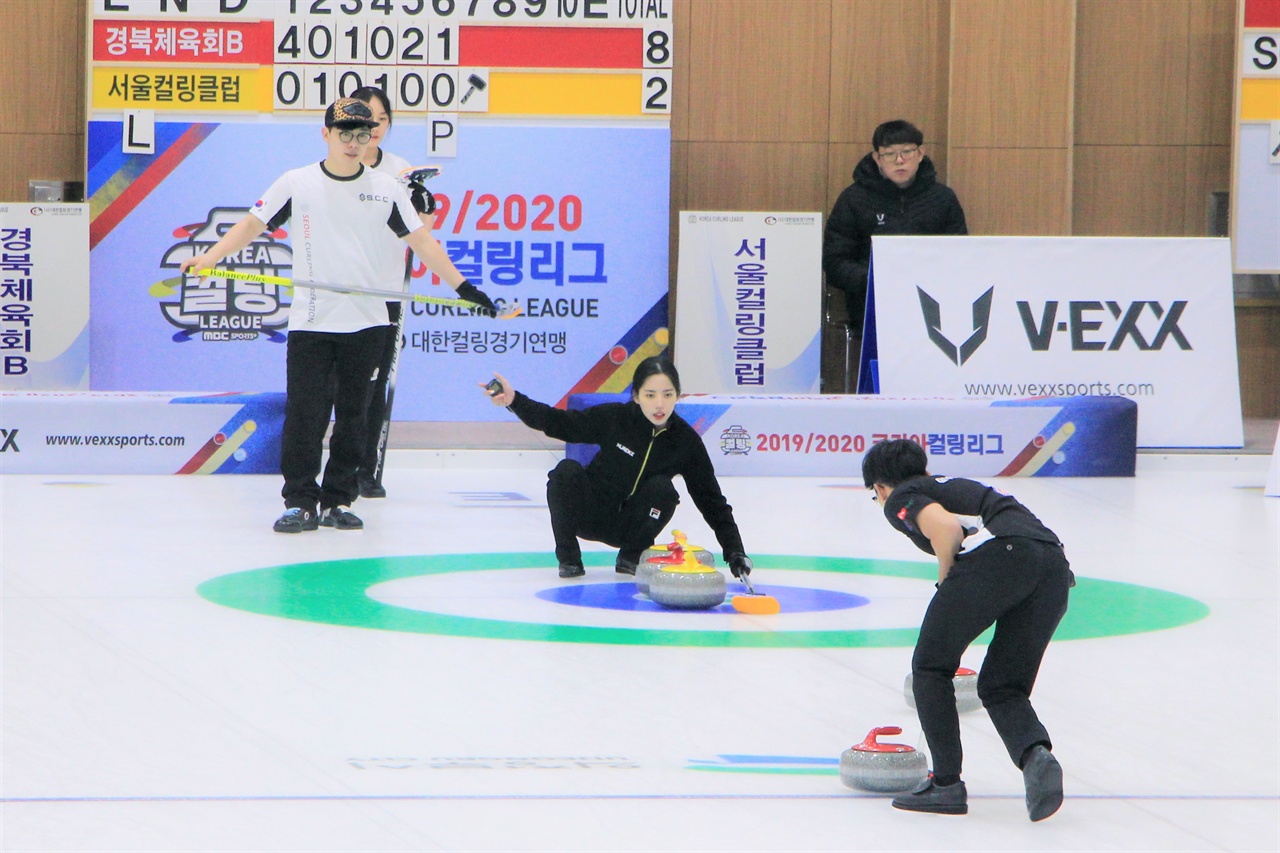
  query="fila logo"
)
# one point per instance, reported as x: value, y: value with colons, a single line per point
x: 933, y: 322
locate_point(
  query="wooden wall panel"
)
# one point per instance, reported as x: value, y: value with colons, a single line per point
x: 1130, y: 190
x: 760, y: 70
x: 1210, y: 72
x: 43, y: 65
x: 681, y: 36
x: 889, y: 60
x: 841, y: 159
x: 1208, y: 170
x: 1012, y: 191
x: 1131, y: 72
x: 38, y: 156
x: 679, y: 202
x: 1011, y: 73
x: 757, y: 176
x: 1258, y: 345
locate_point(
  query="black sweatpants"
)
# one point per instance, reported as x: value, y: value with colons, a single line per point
x: 580, y: 507
x: 1021, y: 586
x: 326, y: 371
x: 378, y: 395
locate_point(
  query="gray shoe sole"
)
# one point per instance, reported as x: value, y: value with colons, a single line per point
x: 931, y: 799
x: 1042, y: 776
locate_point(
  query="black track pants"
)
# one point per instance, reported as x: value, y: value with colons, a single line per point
x: 326, y: 371
x: 580, y: 508
x: 378, y: 395
x: 1021, y: 586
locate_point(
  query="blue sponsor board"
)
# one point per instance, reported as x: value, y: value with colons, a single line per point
x: 571, y: 224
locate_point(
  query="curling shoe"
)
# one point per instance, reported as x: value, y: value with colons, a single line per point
x: 1042, y: 775
x: 626, y: 562
x: 572, y: 570
x: 370, y: 488
x: 340, y: 518
x: 935, y: 799
x: 295, y: 520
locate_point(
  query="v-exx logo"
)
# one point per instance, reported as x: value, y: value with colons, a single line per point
x: 10, y: 440
x: 933, y: 322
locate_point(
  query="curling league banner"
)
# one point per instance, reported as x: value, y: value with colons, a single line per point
x: 1150, y: 319
x: 551, y: 132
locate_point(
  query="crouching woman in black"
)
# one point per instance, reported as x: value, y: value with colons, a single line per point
x: 624, y: 497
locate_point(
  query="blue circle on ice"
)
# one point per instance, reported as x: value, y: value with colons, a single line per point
x: 623, y: 596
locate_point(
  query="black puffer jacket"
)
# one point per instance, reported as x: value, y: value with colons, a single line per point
x: 631, y: 447
x: 873, y: 204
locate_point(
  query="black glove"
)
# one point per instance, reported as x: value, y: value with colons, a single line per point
x: 740, y: 565
x: 471, y: 293
x: 423, y: 201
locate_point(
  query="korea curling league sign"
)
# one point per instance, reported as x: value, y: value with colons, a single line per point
x: 1014, y: 317
x: 549, y: 120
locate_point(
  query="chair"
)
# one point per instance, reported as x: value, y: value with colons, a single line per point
x: 841, y: 345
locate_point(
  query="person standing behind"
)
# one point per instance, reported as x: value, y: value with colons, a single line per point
x: 1012, y: 573
x: 369, y: 479
x: 895, y: 190
x: 340, y: 211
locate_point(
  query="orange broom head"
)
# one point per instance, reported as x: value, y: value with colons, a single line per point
x: 756, y: 605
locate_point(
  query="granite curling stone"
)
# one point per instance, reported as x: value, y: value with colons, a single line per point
x: 685, y: 589
x: 883, y: 768
x: 648, y: 567
x: 675, y: 553
x: 966, y: 685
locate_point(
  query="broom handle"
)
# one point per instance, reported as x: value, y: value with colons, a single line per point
x: 336, y: 288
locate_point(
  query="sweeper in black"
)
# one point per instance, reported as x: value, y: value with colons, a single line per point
x: 997, y: 564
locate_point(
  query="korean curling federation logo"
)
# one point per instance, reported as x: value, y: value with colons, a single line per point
x: 225, y: 309
x: 735, y: 441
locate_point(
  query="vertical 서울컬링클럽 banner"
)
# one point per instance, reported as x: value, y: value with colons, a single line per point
x: 550, y: 127
x: 749, y: 296
x: 1152, y: 319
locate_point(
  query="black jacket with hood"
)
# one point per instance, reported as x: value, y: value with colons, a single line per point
x: 873, y: 204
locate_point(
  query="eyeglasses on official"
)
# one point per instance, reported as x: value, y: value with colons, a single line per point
x: 361, y: 136
x: 907, y: 154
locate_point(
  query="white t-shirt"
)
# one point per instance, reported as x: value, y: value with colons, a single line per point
x: 392, y: 165
x: 340, y: 228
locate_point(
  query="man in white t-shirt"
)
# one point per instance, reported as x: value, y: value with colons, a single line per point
x: 341, y: 212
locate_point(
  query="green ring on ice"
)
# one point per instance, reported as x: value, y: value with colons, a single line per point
x: 336, y: 593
